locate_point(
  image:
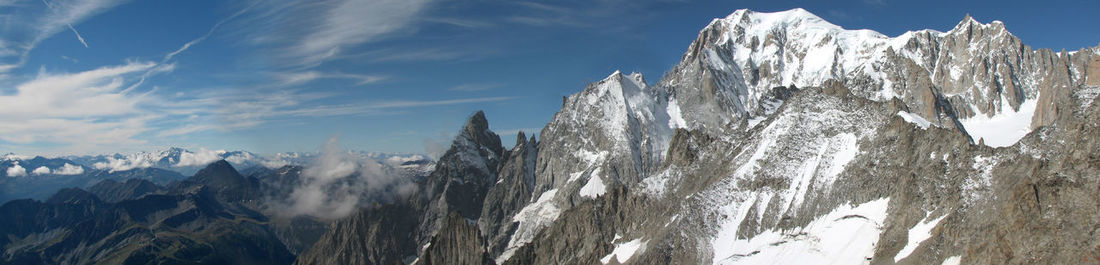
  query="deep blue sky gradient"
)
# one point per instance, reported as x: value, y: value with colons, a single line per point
x: 515, y: 60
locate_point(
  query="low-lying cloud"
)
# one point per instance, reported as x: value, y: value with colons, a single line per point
x: 42, y: 170
x: 201, y: 157
x: 69, y: 169
x: 337, y: 183
x: 16, y: 170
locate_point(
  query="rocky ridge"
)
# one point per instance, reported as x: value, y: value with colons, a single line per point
x: 779, y: 138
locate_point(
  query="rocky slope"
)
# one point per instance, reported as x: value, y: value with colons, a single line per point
x: 452, y: 197
x: 779, y: 138
x: 114, y: 191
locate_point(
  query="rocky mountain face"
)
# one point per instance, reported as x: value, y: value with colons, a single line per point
x: 114, y: 191
x: 224, y: 180
x: 779, y: 138
x: 452, y: 197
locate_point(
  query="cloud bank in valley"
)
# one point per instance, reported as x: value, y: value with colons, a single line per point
x: 337, y: 183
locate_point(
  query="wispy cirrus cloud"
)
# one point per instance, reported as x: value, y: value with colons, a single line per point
x: 214, y: 28
x: 221, y: 110
x: 309, y: 33
x: 78, y: 37
x: 542, y: 14
x: 459, y: 22
x: 582, y: 14
x: 297, y: 78
x: 475, y: 87
x: 112, y: 108
x: 32, y: 24
x: 415, y: 55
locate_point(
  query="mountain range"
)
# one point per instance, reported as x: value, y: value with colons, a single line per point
x: 779, y: 138
x: 37, y: 177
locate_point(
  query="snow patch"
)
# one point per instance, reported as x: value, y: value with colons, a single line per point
x: 847, y: 235
x: 623, y: 252
x: 846, y: 150
x: 1002, y: 129
x: 595, y: 187
x: 953, y: 260
x: 915, y: 119
x: 675, y: 118
x: 725, y: 243
x: 590, y: 157
x: 805, y: 177
x: 531, y: 218
x: 656, y: 185
x: 917, y: 234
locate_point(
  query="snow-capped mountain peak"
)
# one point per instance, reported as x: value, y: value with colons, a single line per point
x: 973, y: 69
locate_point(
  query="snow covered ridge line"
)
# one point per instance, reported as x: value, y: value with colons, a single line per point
x: 176, y: 158
x: 758, y: 51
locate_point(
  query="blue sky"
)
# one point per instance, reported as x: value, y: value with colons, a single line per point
x: 104, y: 76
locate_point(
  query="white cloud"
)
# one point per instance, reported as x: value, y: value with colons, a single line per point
x: 14, y: 157
x: 73, y: 135
x: 273, y: 164
x: 111, y: 109
x: 16, y: 170
x: 201, y: 157
x: 335, y: 184
x: 128, y: 162
x: 90, y: 93
x: 42, y: 170
x: 82, y: 111
x: 69, y: 169
x: 240, y: 158
x: 186, y: 158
